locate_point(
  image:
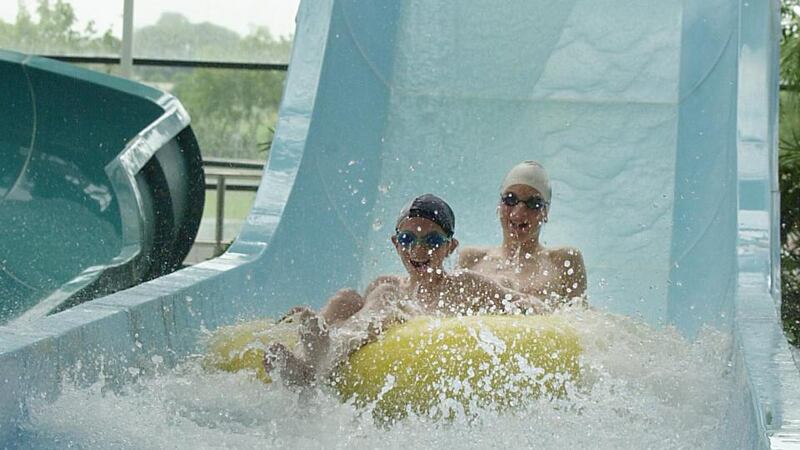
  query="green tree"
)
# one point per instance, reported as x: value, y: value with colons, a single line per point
x: 789, y: 162
x: 55, y: 31
x: 174, y: 36
x: 233, y: 111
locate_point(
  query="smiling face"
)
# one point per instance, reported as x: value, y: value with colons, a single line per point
x: 520, y: 222
x: 421, y: 257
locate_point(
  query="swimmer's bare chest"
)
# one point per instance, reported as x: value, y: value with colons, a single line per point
x: 450, y: 299
x: 540, y: 278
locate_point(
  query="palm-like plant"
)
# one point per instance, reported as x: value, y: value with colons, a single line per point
x: 789, y: 162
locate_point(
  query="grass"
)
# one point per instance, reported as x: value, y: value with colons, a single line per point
x: 237, y: 204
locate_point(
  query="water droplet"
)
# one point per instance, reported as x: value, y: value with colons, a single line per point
x: 377, y: 224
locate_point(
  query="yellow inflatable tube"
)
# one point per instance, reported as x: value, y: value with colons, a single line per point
x: 476, y: 361
x: 242, y: 347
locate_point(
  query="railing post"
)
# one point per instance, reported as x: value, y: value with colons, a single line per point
x: 126, y: 55
x: 218, y: 249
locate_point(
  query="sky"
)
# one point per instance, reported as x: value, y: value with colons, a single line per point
x: 237, y: 15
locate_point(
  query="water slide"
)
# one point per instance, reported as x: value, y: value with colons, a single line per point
x: 101, y: 185
x: 657, y: 121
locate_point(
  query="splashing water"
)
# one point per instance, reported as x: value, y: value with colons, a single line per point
x: 641, y: 388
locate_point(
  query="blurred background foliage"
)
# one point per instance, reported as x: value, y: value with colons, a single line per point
x: 233, y: 111
x: 789, y: 162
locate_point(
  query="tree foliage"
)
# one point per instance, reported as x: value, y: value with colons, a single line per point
x: 233, y: 112
x: 789, y: 166
x: 56, y: 31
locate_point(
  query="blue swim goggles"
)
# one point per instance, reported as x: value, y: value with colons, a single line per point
x: 432, y: 240
x: 535, y: 203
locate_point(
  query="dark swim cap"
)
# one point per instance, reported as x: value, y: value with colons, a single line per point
x: 431, y: 207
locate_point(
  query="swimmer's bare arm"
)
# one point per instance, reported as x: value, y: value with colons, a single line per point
x: 494, y: 297
x: 470, y: 256
x: 381, y: 309
x: 341, y: 305
x: 347, y: 302
x: 393, y: 280
x: 573, y: 272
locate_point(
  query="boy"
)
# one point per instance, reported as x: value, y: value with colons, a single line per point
x: 423, y: 239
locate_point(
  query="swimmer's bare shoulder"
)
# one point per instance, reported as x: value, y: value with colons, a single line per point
x: 573, y: 269
x: 469, y: 257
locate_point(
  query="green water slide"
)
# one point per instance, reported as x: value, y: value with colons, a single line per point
x: 101, y: 185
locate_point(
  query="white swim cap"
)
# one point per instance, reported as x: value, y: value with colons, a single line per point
x: 529, y: 173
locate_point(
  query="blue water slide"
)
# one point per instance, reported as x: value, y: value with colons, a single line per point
x: 656, y: 120
x: 101, y: 185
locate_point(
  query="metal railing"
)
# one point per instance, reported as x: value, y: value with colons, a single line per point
x: 159, y: 62
x: 223, y: 175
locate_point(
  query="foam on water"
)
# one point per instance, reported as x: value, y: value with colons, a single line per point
x: 641, y: 388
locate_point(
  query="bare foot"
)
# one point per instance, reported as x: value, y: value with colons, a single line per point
x: 295, y: 311
x: 293, y: 370
x: 314, y: 338
x: 373, y: 331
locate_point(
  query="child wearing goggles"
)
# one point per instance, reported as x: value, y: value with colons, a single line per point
x: 423, y: 240
x: 521, y: 262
